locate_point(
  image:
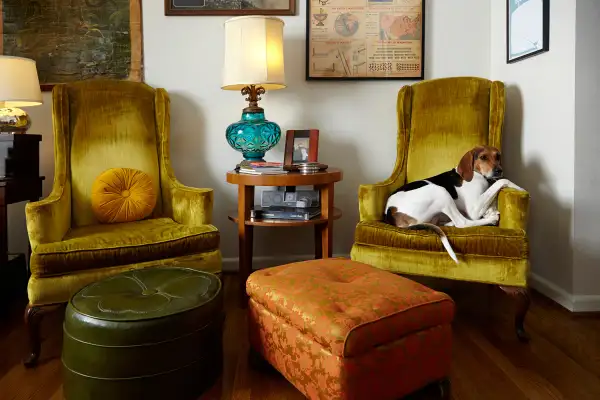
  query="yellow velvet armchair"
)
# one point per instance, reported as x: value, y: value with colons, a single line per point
x: 102, y: 124
x: 438, y: 121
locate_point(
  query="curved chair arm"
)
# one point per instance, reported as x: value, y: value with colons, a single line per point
x: 191, y: 206
x: 372, y: 198
x: 186, y: 205
x: 49, y: 219
x: 513, y: 206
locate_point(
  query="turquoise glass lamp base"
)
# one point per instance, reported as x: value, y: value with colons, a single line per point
x: 253, y: 135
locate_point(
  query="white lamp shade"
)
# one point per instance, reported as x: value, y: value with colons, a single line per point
x: 19, y: 83
x: 253, y: 53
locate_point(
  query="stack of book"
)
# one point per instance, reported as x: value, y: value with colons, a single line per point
x: 283, y: 212
x: 260, y: 168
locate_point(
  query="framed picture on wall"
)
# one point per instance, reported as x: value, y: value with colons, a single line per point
x: 301, y: 146
x: 527, y: 29
x: 375, y: 40
x: 230, y: 7
x: 75, y: 40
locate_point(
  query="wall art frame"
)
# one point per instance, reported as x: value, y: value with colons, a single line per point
x: 229, y: 7
x: 390, y: 47
x: 301, y: 146
x: 90, y: 40
x: 527, y: 24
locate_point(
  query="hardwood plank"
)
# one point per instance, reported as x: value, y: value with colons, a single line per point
x: 562, y: 361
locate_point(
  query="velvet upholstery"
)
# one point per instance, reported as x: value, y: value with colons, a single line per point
x: 102, y: 124
x: 339, y: 329
x: 438, y: 121
x: 123, y: 195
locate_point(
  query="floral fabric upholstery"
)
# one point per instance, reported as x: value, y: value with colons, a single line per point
x: 339, y: 329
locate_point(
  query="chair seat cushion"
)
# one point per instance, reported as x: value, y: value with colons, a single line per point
x: 484, y: 241
x: 97, y: 246
x: 348, y: 307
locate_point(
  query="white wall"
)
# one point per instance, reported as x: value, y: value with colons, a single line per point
x: 539, y: 138
x: 587, y: 147
x: 356, y: 119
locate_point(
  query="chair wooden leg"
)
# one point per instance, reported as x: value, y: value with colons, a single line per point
x: 523, y: 301
x: 33, y: 319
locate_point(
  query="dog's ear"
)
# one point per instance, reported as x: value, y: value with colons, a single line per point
x: 466, y: 164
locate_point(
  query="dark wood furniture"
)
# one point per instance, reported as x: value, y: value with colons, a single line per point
x: 15, y: 190
x: 19, y: 181
x: 323, y: 224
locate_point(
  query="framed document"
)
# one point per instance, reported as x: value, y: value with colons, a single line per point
x: 365, y: 39
x: 527, y: 29
x: 230, y: 7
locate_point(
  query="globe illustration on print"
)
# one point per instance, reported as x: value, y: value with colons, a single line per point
x: 346, y: 24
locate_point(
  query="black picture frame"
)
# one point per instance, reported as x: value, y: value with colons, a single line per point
x: 406, y: 78
x: 545, y: 33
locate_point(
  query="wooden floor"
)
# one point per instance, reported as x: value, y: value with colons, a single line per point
x: 562, y: 361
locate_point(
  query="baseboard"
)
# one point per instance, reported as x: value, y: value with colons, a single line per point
x: 231, y: 263
x: 574, y: 303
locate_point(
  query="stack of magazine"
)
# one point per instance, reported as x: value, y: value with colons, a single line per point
x: 260, y: 168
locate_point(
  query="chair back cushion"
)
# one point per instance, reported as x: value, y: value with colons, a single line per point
x: 449, y: 117
x: 111, y: 125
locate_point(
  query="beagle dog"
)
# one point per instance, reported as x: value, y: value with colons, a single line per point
x: 461, y: 197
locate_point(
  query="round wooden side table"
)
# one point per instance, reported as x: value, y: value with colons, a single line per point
x: 322, y: 181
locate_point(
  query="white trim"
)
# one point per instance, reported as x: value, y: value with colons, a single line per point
x: 231, y: 263
x: 574, y: 303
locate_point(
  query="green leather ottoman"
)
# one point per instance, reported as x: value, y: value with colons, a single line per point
x: 147, y: 334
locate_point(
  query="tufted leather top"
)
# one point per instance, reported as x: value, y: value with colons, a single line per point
x: 346, y: 306
x: 144, y: 306
x: 147, y: 293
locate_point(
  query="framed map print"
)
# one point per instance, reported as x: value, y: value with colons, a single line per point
x: 527, y: 29
x: 230, y: 7
x: 365, y: 39
x: 73, y: 40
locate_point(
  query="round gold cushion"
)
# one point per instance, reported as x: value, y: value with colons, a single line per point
x: 123, y: 195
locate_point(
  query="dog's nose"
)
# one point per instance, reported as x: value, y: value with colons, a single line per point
x: 497, y: 171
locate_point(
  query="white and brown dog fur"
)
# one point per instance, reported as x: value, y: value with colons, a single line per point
x: 462, y: 197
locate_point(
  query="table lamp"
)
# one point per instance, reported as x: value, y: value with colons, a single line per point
x: 253, y: 64
x: 19, y: 87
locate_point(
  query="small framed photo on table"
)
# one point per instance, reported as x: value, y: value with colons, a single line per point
x: 301, y: 146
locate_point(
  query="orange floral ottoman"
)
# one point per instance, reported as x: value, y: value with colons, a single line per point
x: 340, y: 329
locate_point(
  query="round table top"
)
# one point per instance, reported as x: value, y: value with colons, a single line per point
x: 330, y: 175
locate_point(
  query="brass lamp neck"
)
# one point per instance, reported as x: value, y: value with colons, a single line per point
x: 253, y: 92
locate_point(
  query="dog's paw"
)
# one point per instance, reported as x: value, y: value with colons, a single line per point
x: 491, y: 217
x: 505, y: 183
x: 491, y: 212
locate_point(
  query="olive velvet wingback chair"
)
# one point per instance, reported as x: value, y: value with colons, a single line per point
x: 102, y: 124
x: 438, y: 121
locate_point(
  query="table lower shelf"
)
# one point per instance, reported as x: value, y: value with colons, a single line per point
x: 337, y: 214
